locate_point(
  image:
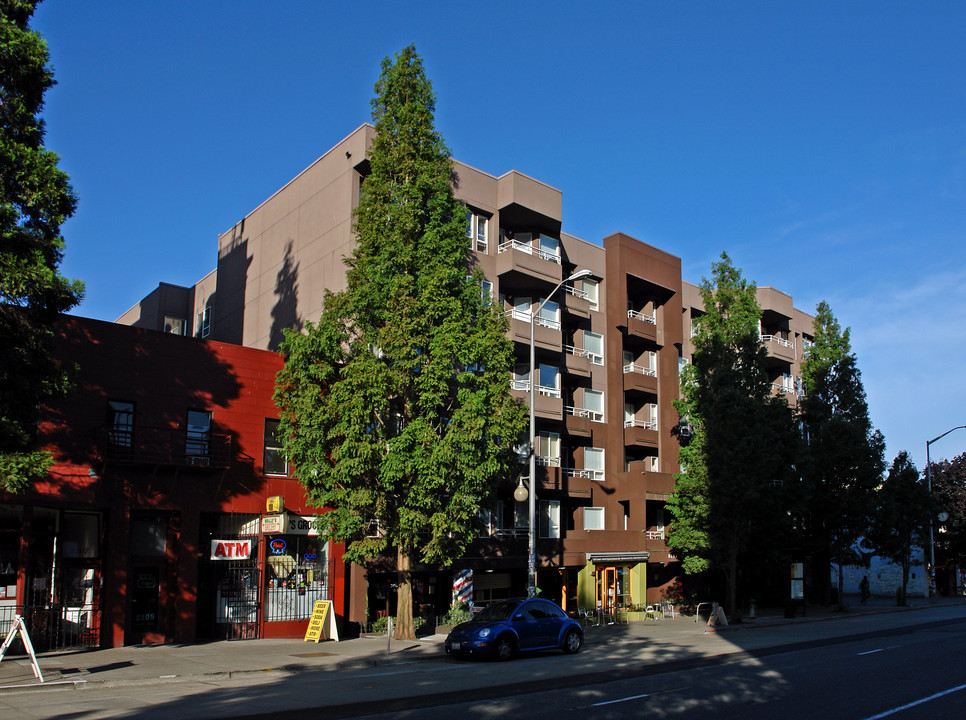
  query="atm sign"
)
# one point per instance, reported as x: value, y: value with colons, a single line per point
x: 231, y: 549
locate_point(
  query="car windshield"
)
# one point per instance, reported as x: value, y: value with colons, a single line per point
x: 497, y: 611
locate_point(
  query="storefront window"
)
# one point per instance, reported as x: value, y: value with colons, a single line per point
x: 296, y: 572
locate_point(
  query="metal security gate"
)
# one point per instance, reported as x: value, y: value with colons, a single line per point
x: 68, y: 618
x: 238, y: 601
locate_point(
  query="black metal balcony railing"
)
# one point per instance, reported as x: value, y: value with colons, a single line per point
x: 163, y: 446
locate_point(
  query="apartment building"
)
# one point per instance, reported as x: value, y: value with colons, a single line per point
x: 607, y: 352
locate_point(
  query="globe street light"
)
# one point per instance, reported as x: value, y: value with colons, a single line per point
x: 932, y: 544
x: 532, y: 561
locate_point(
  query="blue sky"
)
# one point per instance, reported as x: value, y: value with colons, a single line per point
x: 821, y: 144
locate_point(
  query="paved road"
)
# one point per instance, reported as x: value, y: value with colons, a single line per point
x: 783, y: 669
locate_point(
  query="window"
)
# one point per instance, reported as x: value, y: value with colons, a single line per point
x: 198, y: 436
x: 120, y: 423
x: 476, y: 230
x: 550, y: 518
x: 548, y: 380
x: 486, y: 287
x: 594, y: 402
x: 149, y: 536
x: 204, y: 322
x: 594, y: 463
x: 274, y: 461
x: 591, y: 288
x: 521, y: 515
x: 549, y: 248
x: 548, y: 449
x: 521, y: 309
x: 593, y: 518
x: 594, y: 345
x: 174, y: 325
x: 549, y: 315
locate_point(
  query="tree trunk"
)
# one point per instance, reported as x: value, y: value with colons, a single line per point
x: 841, y: 587
x: 404, y: 596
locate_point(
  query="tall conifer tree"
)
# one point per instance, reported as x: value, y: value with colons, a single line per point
x: 742, y: 447
x: 35, y: 199
x: 844, y: 457
x: 396, y: 405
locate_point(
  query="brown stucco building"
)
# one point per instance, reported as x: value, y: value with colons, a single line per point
x: 608, y: 350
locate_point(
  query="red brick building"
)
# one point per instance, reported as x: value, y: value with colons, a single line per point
x: 153, y: 523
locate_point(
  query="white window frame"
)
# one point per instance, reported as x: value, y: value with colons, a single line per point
x: 477, y: 230
x: 595, y: 469
x: 549, y: 315
x: 596, y: 413
x: 596, y: 355
x: 549, y: 525
x: 204, y: 322
x: 593, y: 518
x: 548, y: 390
x: 548, y: 449
x: 592, y: 289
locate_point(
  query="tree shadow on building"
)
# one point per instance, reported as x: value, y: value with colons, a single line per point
x: 285, y: 312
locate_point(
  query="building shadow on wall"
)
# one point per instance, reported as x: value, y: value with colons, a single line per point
x: 228, y: 300
x: 285, y: 312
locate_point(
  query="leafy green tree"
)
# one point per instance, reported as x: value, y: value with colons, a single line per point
x: 844, y: 457
x: 396, y: 406
x: 901, y: 519
x: 948, y: 478
x: 742, y: 444
x: 36, y: 199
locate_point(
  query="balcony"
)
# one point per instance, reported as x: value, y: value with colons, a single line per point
x: 514, y: 256
x: 548, y: 403
x: 584, y: 474
x: 644, y: 326
x: 643, y: 433
x: 640, y: 378
x: 163, y: 447
x: 576, y: 302
x: 546, y: 333
x: 779, y: 348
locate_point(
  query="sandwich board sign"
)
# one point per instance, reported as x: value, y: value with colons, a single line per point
x: 20, y: 627
x: 322, y: 623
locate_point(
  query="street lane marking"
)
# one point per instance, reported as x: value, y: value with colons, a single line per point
x: 611, y: 702
x: 869, y: 652
x: 937, y: 695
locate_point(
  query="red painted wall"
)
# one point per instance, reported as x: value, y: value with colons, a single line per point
x: 165, y: 375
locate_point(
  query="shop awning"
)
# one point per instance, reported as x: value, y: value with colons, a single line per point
x: 619, y: 558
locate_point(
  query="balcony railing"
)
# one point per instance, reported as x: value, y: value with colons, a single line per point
x: 521, y: 315
x: 520, y: 385
x: 528, y: 249
x: 548, y: 460
x: 548, y: 323
x: 643, y: 370
x: 585, y: 473
x: 594, y: 415
x: 654, y: 534
x: 570, y: 290
x: 783, y: 388
x: 595, y: 358
x: 778, y: 340
x: 646, y: 424
x: 642, y: 317
x: 163, y: 446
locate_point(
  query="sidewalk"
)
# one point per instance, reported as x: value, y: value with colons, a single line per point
x: 214, y: 660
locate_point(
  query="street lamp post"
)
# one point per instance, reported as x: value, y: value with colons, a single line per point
x: 532, y: 555
x: 932, y: 544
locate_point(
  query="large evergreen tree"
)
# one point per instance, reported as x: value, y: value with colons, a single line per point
x: 742, y: 447
x: 948, y: 478
x: 844, y: 459
x: 396, y: 405
x: 901, y: 519
x: 36, y: 199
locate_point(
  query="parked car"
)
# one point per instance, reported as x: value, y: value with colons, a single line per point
x: 506, y: 627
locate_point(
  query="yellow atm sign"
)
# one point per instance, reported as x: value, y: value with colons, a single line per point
x: 275, y: 504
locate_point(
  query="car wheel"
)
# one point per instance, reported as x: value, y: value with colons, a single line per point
x: 572, y: 642
x: 503, y: 649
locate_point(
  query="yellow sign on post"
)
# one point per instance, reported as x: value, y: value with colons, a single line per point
x: 322, y: 623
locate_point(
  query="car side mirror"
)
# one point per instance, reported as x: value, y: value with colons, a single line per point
x: 518, y: 617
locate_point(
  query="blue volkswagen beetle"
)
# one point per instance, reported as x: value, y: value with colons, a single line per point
x: 506, y: 627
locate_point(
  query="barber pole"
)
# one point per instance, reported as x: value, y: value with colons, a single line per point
x: 463, y: 587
